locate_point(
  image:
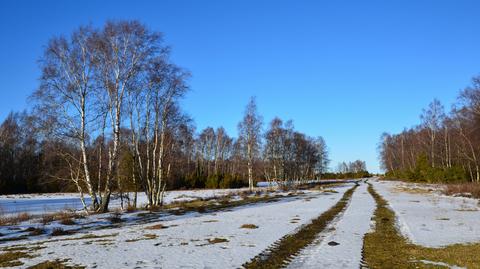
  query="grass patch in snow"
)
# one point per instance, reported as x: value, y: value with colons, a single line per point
x: 212, y: 204
x: 281, y: 252
x: 412, y: 190
x: 14, y: 220
x: 59, y: 232
x: 210, y: 221
x: 57, y: 264
x: 156, y: 227
x: 12, y: 258
x: 249, y: 226
x: 217, y: 240
x: 470, y: 189
x: 385, y: 247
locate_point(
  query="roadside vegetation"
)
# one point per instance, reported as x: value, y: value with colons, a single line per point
x: 385, y: 247
x: 443, y: 148
x: 469, y: 189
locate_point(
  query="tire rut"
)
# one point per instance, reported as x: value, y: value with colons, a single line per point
x: 283, y: 251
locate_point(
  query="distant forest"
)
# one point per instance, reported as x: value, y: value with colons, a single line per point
x: 443, y: 147
x: 106, y: 119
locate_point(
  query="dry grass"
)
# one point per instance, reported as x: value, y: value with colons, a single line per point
x: 465, y: 189
x: 412, y: 190
x: 210, y: 221
x: 217, y: 240
x: 57, y: 264
x: 386, y: 248
x: 156, y: 227
x: 12, y: 258
x: 14, y: 220
x: 64, y: 217
x: 249, y: 226
x: 59, y: 232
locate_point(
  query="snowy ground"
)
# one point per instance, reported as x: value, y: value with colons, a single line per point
x: 341, y: 246
x: 36, y: 204
x: 218, y: 240
x: 185, y: 242
x: 429, y: 218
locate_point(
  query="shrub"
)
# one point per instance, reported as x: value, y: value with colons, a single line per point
x: 59, y: 231
x: 212, y: 182
x: 47, y: 218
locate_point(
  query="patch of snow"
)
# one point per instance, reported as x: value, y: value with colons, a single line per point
x: 441, y: 264
x: 429, y: 218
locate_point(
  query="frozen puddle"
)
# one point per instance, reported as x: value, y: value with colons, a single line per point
x: 431, y: 219
x: 190, y: 241
x: 341, y: 248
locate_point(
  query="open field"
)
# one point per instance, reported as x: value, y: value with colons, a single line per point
x: 327, y: 227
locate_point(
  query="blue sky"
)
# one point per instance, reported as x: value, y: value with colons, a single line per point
x: 346, y: 70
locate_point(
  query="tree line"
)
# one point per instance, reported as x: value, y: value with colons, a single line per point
x: 106, y: 120
x: 444, y: 147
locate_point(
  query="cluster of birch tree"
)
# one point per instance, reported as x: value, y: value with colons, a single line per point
x: 443, y: 147
x: 94, y: 84
x: 106, y: 122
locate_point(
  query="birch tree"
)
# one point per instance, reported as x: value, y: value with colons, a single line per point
x: 122, y: 51
x: 250, y: 130
x: 66, y: 101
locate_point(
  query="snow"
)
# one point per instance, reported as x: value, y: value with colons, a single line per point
x: 440, y: 264
x: 429, y: 218
x: 348, y: 231
x: 184, y: 244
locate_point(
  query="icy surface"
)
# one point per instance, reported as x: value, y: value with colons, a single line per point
x: 48, y: 203
x: 349, y: 230
x: 429, y: 218
x: 185, y: 241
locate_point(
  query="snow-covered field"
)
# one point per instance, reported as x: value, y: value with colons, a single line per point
x: 189, y: 240
x: 429, y: 218
x: 219, y: 239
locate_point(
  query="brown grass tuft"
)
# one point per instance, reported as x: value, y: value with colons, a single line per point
x: 217, y: 240
x: 14, y: 220
x: 57, y: 264
x: 59, y: 231
x: 156, y: 227
x: 249, y: 226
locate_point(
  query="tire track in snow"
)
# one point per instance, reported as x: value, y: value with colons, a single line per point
x: 342, y: 245
x: 281, y: 253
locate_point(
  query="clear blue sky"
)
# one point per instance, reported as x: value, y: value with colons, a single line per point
x: 346, y: 70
